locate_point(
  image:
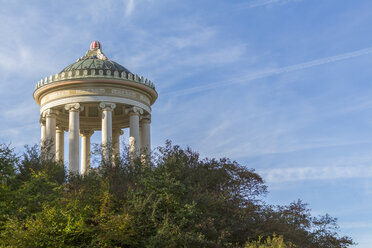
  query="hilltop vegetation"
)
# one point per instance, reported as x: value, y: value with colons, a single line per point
x: 177, y: 200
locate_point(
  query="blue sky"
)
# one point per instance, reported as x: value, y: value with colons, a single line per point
x: 282, y: 86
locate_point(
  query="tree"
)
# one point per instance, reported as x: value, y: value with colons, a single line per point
x: 274, y: 242
x: 8, y: 160
x: 176, y: 200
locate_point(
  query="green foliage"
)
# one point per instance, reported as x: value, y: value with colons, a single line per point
x: 7, y: 161
x: 177, y: 200
x: 274, y: 242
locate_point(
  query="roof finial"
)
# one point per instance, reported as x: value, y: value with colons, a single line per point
x: 94, y: 52
x: 95, y: 45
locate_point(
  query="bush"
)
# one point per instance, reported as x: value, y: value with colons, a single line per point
x: 176, y: 200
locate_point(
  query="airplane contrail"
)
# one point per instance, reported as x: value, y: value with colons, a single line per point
x: 271, y: 72
x: 267, y: 2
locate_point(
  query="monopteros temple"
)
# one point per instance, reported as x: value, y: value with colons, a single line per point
x: 94, y: 93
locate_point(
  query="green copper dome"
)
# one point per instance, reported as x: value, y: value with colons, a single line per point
x: 94, y: 63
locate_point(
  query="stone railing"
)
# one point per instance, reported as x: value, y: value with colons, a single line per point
x: 94, y: 73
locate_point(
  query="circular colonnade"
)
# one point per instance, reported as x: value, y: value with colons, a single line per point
x: 93, y: 94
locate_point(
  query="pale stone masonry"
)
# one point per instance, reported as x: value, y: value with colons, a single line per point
x: 93, y: 94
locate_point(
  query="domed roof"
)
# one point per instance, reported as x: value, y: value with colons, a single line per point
x: 95, y: 59
x: 95, y: 63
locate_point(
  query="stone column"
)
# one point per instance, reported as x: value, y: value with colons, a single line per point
x: 43, y: 133
x: 73, y: 139
x: 85, y: 150
x: 50, y: 121
x: 107, y: 109
x: 134, y: 134
x: 145, y: 135
x: 116, y: 143
x: 60, y: 143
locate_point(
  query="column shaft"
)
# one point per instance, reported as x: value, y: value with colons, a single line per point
x: 116, y: 143
x: 60, y: 142
x: 106, y: 127
x: 107, y: 109
x: 50, y: 120
x: 85, y: 151
x: 134, y: 135
x: 145, y: 135
x: 43, y: 133
x: 73, y: 139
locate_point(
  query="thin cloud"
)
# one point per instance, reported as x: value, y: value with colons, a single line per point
x: 129, y: 8
x: 267, y: 3
x: 356, y: 224
x: 272, y: 72
x: 280, y: 175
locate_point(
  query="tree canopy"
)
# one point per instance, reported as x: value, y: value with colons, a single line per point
x: 175, y: 200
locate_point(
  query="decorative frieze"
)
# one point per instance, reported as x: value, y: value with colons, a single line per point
x: 119, y: 92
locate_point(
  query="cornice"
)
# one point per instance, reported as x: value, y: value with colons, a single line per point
x: 93, y: 74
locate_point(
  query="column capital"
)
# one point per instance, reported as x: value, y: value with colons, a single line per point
x: 60, y: 128
x: 74, y: 107
x: 134, y: 111
x: 86, y: 132
x: 146, y: 118
x: 117, y: 132
x: 42, y: 120
x: 107, y: 106
x: 50, y: 113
